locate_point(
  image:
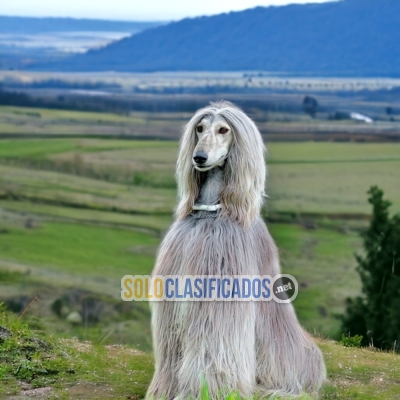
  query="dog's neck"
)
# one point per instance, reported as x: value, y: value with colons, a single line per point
x: 211, y: 188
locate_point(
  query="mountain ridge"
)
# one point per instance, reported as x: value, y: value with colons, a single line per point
x: 345, y: 38
x: 26, y: 25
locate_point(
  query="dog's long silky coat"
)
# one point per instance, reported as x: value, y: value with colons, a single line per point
x: 254, y: 348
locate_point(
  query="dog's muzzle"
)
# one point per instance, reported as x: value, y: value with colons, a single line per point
x: 200, y: 158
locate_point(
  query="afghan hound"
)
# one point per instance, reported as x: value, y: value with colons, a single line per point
x: 250, y: 348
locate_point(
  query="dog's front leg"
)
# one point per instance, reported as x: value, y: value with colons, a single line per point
x: 218, y: 349
x: 166, y: 352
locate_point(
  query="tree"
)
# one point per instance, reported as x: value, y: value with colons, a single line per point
x: 376, y: 314
x: 310, y: 105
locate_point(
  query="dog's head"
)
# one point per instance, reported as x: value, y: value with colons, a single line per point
x: 223, y: 135
x: 214, y: 139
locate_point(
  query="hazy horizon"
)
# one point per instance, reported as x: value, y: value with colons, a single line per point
x: 123, y: 10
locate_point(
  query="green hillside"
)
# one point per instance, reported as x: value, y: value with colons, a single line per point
x: 78, y: 213
x: 36, y: 365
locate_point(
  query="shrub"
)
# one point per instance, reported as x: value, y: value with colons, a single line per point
x: 376, y: 314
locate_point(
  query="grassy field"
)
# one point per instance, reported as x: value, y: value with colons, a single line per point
x: 82, y: 222
x: 277, y: 123
x: 303, y: 177
x: 76, y: 214
x: 45, y: 122
x: 331, y: 177
x: 42, y: 366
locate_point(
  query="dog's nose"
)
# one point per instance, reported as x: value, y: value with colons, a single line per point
x: 200, y: 157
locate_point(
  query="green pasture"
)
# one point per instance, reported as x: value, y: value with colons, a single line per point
x: 82, y: 212
x: 79, y: 249
x: 40, y: 149
x: 331, y: 178
x: 322, y: 261
x: 325, y: 178
x: 76, y: 214
x: 156, y: 224
x: 277, y: 125
x: 31, y: 358
x: 322, y: 152
x: 76, y: 191
x: 20, y: 115
x: 52, y: 122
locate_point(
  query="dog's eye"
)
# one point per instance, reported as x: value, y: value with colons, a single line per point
x: 199, y: 129
x: 223, y: 130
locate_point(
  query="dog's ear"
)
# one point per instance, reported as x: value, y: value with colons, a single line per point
x: 187, y: 177
x: 245, y: 171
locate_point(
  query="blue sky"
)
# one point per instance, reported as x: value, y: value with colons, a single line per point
x: 132, y: 9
